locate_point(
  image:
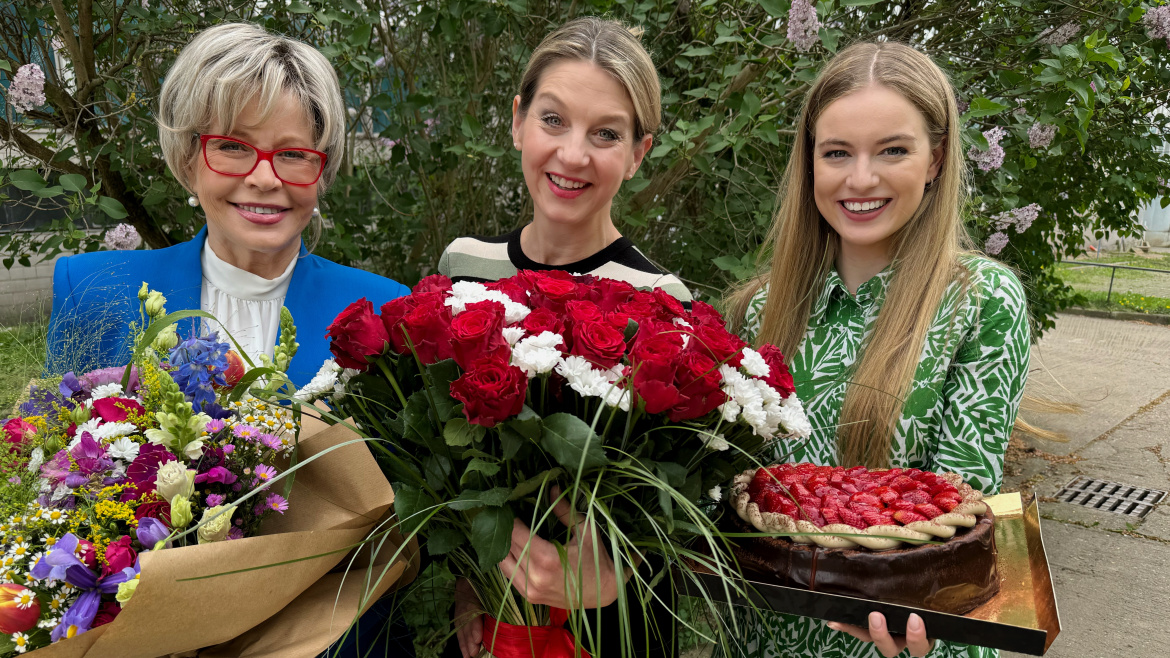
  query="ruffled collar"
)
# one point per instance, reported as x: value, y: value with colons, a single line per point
x: 242, y: 284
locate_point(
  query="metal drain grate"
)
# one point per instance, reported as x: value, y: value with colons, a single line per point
x: 1110, y: 496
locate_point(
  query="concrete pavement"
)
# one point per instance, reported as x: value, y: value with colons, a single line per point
x: 1110, y: 570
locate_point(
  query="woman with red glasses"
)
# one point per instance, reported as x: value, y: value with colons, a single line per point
x: 252, y: 125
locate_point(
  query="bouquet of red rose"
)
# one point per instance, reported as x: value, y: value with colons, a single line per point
x: 493, y: 401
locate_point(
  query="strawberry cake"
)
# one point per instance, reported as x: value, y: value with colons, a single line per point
x: 902, y: 536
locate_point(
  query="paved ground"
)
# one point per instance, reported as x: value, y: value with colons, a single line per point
x: 1110, y: 570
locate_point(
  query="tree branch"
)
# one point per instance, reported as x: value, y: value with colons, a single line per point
x: 70, y: 39
x: 35, y: 149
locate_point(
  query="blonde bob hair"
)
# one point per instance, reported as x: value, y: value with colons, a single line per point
x: 227, y: 66
x: 802, y: 247
x: 614, y: 48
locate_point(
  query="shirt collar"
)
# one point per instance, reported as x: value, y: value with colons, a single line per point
x: 871, y: 292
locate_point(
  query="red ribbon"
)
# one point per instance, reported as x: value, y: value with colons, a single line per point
x: 552, y: 641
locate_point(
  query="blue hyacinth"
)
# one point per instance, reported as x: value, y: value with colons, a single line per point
x: 198, y: 364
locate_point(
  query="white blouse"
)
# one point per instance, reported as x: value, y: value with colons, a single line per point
x: 245, y: 304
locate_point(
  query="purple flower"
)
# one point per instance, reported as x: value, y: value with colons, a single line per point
x: 122, y: 237
x: 199, y: 365
x: 803, y: 25
x: 214, y: 425
x: 69, y: 385
x: 265, y: 473
x: 992, y: 158
x: 151, y: 531
x: 1040, y: 135
x: 214, y: 500
x: 270, y: 441
x: 234, y: 533
x: 276, y: 502
x: 1058, y: 36
x: 43, y: 402
x: 90, y: 456
x: 1021, y: 218
x: 27, y: 90
x: 62, y: 563
x: 995, y: 243
x: 103, y: 376
x: 1157, y: 20
x: 246, y: 432
x: 228, y: 448
x: 217, y: 474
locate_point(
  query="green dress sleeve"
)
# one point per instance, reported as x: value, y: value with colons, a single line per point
x: 985, y: 383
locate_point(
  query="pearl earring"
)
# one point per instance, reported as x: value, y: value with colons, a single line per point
x: 193, y: 201
x: 316, y: 211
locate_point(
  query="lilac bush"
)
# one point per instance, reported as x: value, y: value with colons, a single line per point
x: 27, y: 90
x: 1040, y: 135
x: 992, y: 158
x: 803, y: 25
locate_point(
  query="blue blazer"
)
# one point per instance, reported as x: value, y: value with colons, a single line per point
x: 95, y: 298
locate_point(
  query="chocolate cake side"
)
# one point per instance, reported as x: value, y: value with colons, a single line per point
x: 955, y: 576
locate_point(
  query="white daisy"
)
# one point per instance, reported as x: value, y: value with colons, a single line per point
x: 124, y: 449
x: 20, y: 640
x: 111, y: 390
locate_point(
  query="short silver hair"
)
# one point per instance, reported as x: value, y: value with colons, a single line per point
x: 227, y: 66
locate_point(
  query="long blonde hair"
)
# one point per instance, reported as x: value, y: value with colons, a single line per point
x: 803, y: 247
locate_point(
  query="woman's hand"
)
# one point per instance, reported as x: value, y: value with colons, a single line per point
x: 468, y: 619
x: 890, y: 646
x: 540, y: 577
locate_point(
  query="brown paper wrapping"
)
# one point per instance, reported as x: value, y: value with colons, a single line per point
x: 289, y: 610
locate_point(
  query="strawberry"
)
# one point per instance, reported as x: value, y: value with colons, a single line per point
x: 928, y: 510
x: 873, y: 517
x: 906, y: 518
x: 767, y: 502
x: 942, y: 487
x: 866, y: 499
x: 853, y: 518
x: 837, y: 478
x: 902, y: 484
x: 917, y: 497
x: 912, y: 473
x: 849, y: 487
x: 831, y: 515
x: 886, y: 494
x: 809, y: 502
x: 946, y: 504
x: 788, y: 507
x: 805, y: 467
x: 798, y: 490
x: 855, y: 471
x: 902, y: 506
x: 814, y: 517
x: 825, y: 490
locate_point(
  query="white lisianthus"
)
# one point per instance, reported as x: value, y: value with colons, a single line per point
x: 174, y: 479
x: 754, y: 363
x: 537, y: 355
x: 714, y: 441
x: 323, y: 382
x: 124, y: 449
x: 513, y: 335
x: 111, y: 390
x: 214, y: 526
x: 716, y: 493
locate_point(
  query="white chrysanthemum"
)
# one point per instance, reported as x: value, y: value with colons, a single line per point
x: 90, y: 426
x: 615, y: 396
x: 110, y: 431
x: 124, y: 449
x: 513, y: 335
x: 716, y: 493
x: 111, y: 390
x: 323, y: 382
x: 342, y: 381
x: 754, y: 364
x: 36, y: 459
x: 714, y: 441
x: 793, y: 418
x: 469, y: 292
x: 537, y: 355
x: 580, y: 375
x: 730, y: 411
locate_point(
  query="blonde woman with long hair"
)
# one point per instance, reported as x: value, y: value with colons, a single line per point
x: 908, y: 348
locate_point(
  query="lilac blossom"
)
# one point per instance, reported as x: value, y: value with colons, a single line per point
x: 27, y: 90
x: 1040, y: 135
x: 1058, y: 36
x: 1157, y: 20
x: 1021, y: 218
x: 122, y: 237
x: 992, y: 158
x: 996, y: 242
x: 803, y: 25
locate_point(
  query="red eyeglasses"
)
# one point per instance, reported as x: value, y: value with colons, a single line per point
x: 233, y: 157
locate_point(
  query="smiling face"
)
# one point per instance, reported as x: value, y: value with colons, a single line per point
x: 872, y: 159
x: 577, y: 143
x: 255, y: 222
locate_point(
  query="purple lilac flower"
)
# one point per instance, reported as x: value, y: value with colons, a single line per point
x: 27, y: 90
x: 276, y: 503
x: 151, y: 531
x: 1021, y: 218
x: 992, y: 158
x: 265, y: 473
x: 1157, y: 20
x: 246, y: 432
x: 122, y: 237
x: 1058, y: 36
x: 62, y: 563
x: 214, y: 500
x: 803, y: 25
x: 199, y: 364
x: 996, y: 242
x: 1040, y: 135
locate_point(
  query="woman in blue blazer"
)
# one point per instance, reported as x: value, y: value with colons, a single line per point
x: 253, y: 126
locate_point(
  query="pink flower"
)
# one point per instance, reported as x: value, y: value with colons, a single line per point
x: 265, y: 473
x: 27, y: 90
x: 1058, y: 36
x: 803, y: 25
x: 122, y: 237
x: 276, y: 503
x: 1040, y: 135
x: 1157, y: 20
x: 214, y: 500
x: 996, y: 242
x: 245, y: 432
x: 992, y: 158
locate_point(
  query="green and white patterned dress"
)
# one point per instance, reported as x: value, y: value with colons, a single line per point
x: 957, y: 418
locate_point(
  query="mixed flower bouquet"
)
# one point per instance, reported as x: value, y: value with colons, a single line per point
x: 119, y: 482
x: 494, y: 402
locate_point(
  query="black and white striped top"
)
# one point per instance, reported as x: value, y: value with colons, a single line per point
x: 491, y: 259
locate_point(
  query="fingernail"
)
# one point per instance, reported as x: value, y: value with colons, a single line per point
x: 833, y: 625
x: 877, y: 621
x: 914, y: 623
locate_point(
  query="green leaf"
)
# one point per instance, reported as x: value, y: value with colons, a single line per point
x: 410, y: 504
x: 572, y: 443
x: 73, y: 182
x: 5, y: 66
x: 112, y: 207
x: 751, y: 104
x: 982, y: 107
x: 535, y: 482
x: 459, y: 433
x: 859, y: 3
x: 491, y: 536
x: 673, y: 474
x: 471, y: 126
x: 1081, y: 88
x: 444, y: 540
x: 698, y: 51
x: 830, y: 38
x: 27, y: 180
x: 472, y: 499
x: 774, y: 8
x: 482, y: 466
x: 300, y: 8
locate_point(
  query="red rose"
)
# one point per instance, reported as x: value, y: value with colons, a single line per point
x: 553, y: 293
x: 668, y: 305
x: 511, y: 288
x: 718, y: 343
x: 155, y: 508
x: 393, y: 313
x: 611, y: 294
x: 106, y: 614
x: 698, y: 381
x: 541, y: 320
x: 475, y: 333
x: 654, y: 360
x: 428, y: 323
x: 357, y: 334
x: 599, y: 343
x: 578, y: 312
x: 778, y: 377
x: 432, y: 283
x: 491, y: 391
x: 705, y: 314
x: 642, y: 307
x: 16, y: 431
x: 116, y: 410
x: 119, y: 555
